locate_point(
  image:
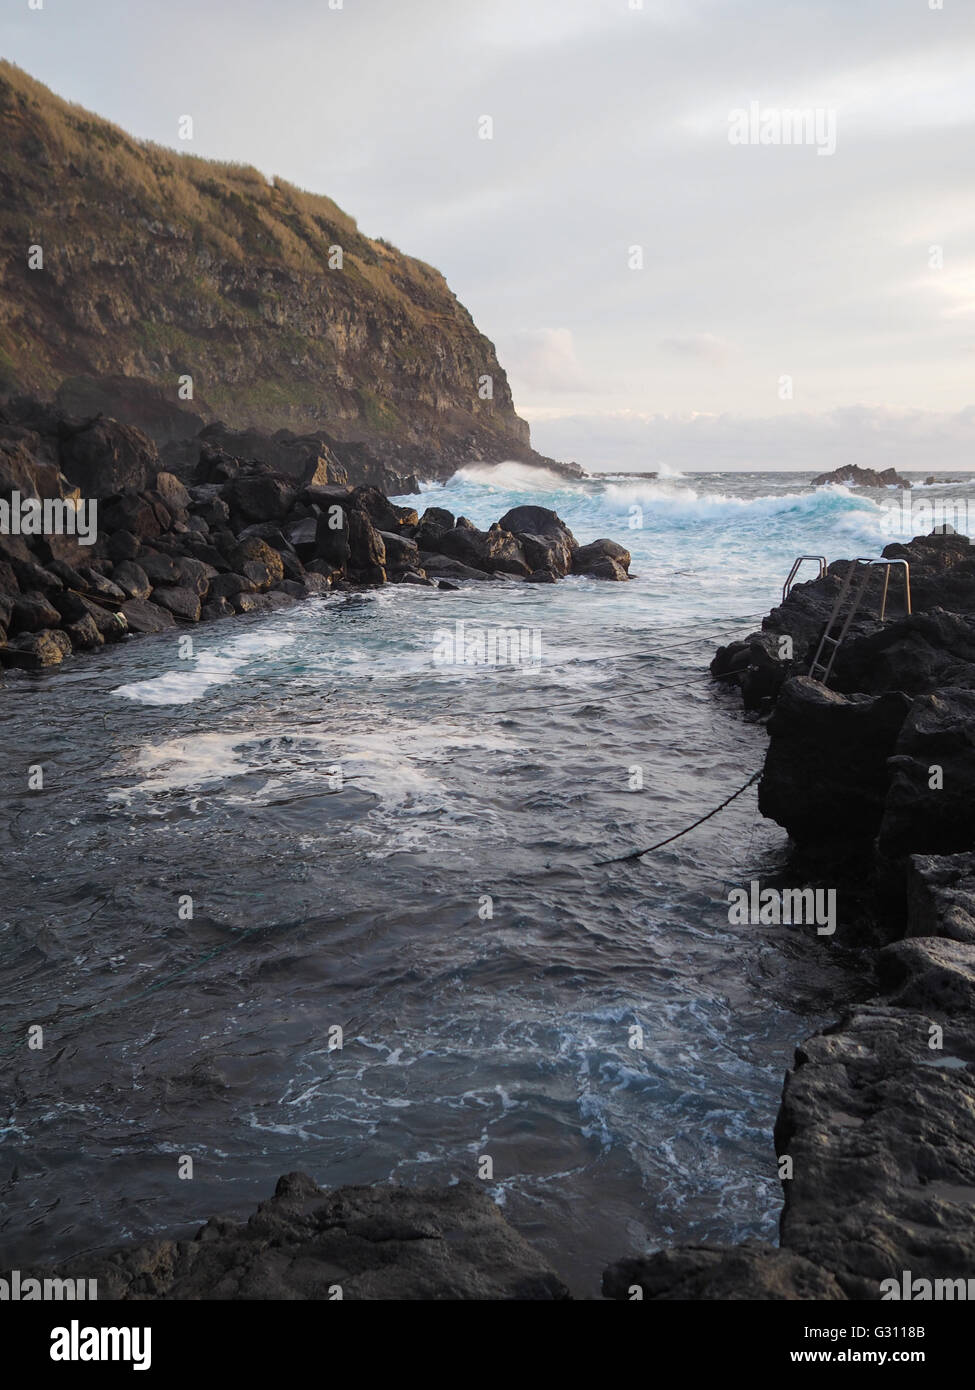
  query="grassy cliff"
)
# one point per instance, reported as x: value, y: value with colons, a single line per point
x: 159, y: 265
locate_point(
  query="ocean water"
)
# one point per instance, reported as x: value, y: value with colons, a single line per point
x: 313, y: 823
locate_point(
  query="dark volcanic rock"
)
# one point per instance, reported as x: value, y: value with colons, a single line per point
x: 602, y: 560
x: 401, y: 552
x: 825, y: 776
x: 930, y: 806
x: 708, y: 1272
x: 941, y: 896
x: 132, y: 514
x: 182, y: 603
x: 915, y: 654
x: 104, y: 457
x: 32, y: 612
x: 143, y: 616
x: 132, y: 579
x: 878, y: 1125
x: 932, y: 973
x: 854, y: 476
x: 367, y: 553
x: 228, y: 585
x: 369, y: 1242
x: 443, y: 567
x: 34, y: 650
x: 84, y: 634
x: 260, y: 498
x: 494, y: 552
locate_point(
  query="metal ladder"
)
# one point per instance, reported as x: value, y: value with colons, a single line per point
x: 832, y: 644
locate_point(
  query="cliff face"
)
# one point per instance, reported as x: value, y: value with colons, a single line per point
x: 158, y: 266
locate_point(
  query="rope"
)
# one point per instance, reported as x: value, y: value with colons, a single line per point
x: 638, y: 853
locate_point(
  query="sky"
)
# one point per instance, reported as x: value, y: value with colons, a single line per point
x: 669, y: 280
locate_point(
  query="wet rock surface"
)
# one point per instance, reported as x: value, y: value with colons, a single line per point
x: 234, y: 535
x: 353, y: 1242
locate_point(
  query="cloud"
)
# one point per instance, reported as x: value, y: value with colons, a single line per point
x: 610, y: 130
x: 544, y: 360
x: 706, y: 347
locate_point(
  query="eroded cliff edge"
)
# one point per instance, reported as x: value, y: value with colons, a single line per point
x: 126, y: 267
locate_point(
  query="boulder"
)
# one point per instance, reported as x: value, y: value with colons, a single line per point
x: 104, y: 457
x: 32, y: 612
x: 552, y: 554
x: 443, y: 567
x: 31, y: 576
x: 172, y: 492
x: 84, y: 634
x: 132, y: 579
x: 135, y: 515
x: 537, y: 521
x: 96, y: 583
x: 332, y: 534
x: 384, y: 515
x: 494, y: 552
x: 601, y: 559
x: 214, y: 609
x: 160, y: 569
x: 401, y: 553
x: 367, y: 553
x: 260, y: 498
x: 181, y: 602
x: 194, y: 574
x: 143, y: 616
x: 254, y: 551
x: 227, y: 585
x: 33, y: 651
x: 123, y: 546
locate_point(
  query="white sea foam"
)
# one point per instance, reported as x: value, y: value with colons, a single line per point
x: 513, y: 477
x: 680, y: 503
x: 212, y: 667
x: 402, y: 765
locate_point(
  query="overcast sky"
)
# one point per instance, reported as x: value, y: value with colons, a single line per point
x: 611, y: 131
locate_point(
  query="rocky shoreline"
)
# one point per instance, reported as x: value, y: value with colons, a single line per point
x: 308, y: 1242
x: 873, y: 780
x: 234, y: 535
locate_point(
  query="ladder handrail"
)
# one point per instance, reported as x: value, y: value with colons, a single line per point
x: 821, y: 559
x: 907, y: 584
